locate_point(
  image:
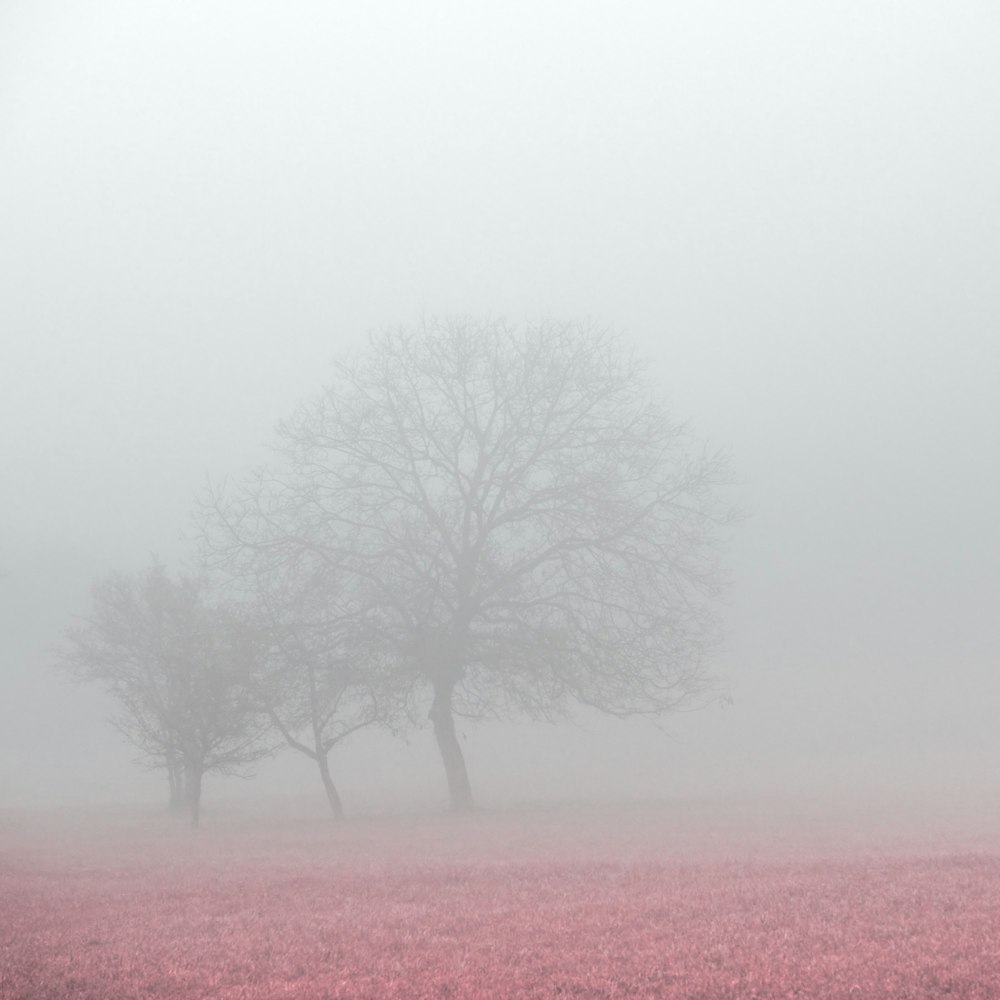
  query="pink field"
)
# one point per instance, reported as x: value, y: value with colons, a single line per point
x: 683, y: 901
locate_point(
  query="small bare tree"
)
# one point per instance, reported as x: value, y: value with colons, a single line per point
x: 320, y: 677
x: 179, y: 670
x: 522, y: 519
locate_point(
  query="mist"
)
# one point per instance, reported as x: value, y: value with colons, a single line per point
x: 789, y: 209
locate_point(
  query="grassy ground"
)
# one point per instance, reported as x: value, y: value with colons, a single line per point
x: 687, y: 899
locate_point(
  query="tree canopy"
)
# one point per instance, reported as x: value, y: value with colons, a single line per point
x: 512, y: 511
x: 178, y: 669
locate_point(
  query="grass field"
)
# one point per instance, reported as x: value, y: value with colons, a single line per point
x: 692, y: 900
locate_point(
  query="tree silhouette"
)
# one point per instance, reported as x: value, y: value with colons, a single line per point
x: 178, y: 669
x: 521, y: 520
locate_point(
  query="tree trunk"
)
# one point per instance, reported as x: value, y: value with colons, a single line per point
x: 175, y: 776
x: 442, y: 717
x: 336, y: 806
x: 192, y: 789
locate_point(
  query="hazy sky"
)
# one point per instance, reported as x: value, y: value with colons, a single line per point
x: 791, y: 207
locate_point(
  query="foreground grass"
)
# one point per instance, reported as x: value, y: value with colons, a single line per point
x: 646, y: 903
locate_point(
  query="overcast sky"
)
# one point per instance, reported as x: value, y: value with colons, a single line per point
x: 791, y: 207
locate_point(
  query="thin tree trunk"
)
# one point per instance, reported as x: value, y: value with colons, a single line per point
x: 175, y: 776
x: 336, y: 806
x: 192, y: 788
x: 443, y: 718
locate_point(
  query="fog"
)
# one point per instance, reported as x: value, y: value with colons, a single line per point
x: 790, y: 208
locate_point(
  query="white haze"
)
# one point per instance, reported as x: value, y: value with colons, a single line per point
x: 790, y: 207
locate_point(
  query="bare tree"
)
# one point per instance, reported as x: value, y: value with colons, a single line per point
x: 320, y: 677
x: 527, y: 524
x: 178, y: 669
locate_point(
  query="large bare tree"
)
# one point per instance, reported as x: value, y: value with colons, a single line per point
x: 178, y: 668
x: 519, y: 515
